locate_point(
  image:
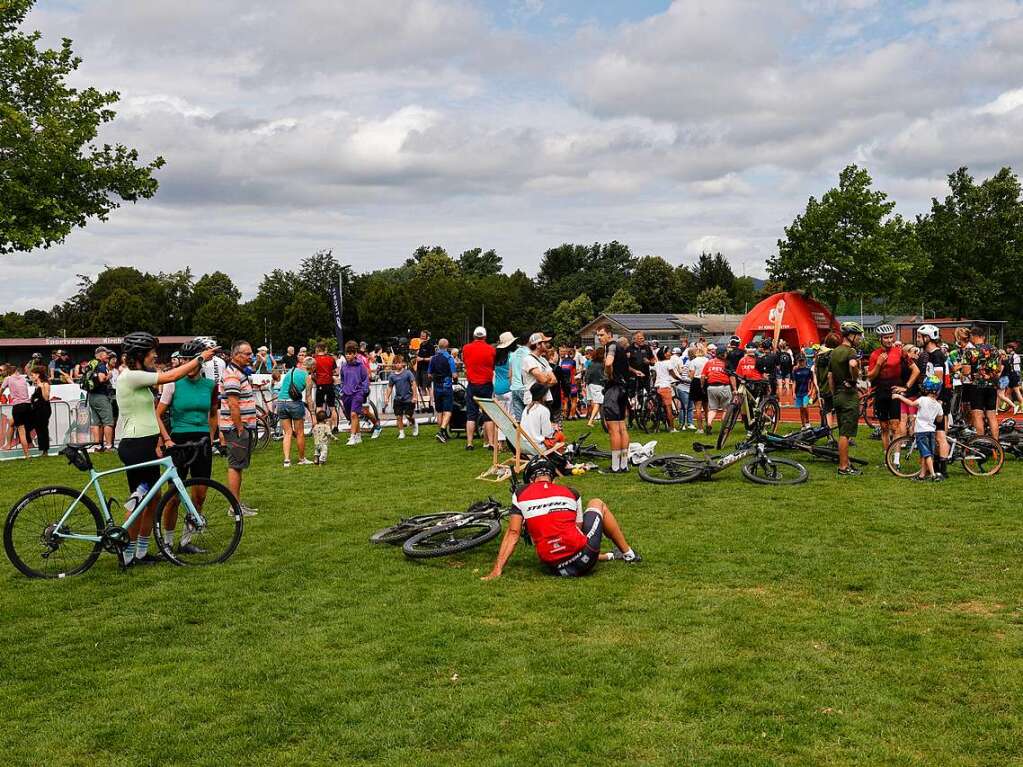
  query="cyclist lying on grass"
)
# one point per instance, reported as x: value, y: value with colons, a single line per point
x: 567, y: 539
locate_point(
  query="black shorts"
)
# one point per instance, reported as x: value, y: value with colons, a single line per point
x: 945, y: 398
x: 616, y: 403
x: 472, y: 410
x: 696, y: 392
x: 139, y: 450
x: 326, y: 395
x: 404, y: 408
x: 1013, y: 379
x: 423, y: 375
x: 202, y: 466
x: 584, y: 560
x: 885, y: 407
x: 983, y: 398
x: 21, y: 414
x: 827, y: 403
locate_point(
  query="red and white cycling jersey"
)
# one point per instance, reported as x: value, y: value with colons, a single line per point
x: 552, y: 513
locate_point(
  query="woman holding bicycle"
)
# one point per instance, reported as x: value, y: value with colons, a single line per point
x: 295, y: 396
x: 140, y: 427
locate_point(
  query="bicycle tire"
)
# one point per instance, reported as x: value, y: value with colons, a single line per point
x: 831, y: 454
x: 442, y: 541
x: 218, y: 537
x: 772, y: 473
x: 728, y: 423
x: 16, y: 551
x: 983, y: 467
x: 769, y: 413
x: 406, y: 528
x: 264, y: 433
x: 672, y: 469
x: 867, y: 411
x: 909, y: 457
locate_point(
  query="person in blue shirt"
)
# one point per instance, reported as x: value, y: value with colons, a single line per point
x: 442, y: 372
x: 802, y: 376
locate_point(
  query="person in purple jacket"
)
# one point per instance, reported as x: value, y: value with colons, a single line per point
x: 354, y: 389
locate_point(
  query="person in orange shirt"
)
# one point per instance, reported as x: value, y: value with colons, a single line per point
x: 718, y: 386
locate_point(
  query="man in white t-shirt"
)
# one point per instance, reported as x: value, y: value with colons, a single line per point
x: 536, y: 368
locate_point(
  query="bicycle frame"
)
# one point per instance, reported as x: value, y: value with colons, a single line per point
x: 169, y: 476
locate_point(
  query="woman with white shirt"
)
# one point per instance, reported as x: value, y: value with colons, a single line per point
x: 664, y: 384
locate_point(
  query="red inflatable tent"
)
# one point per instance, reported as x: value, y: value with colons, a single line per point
x: 804, y: 321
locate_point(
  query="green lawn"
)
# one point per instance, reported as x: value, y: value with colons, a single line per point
x: 858, y: 621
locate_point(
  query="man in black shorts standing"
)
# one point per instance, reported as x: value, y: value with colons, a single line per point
x: 641, y: 359
x: 843, y: 371
x: 984, y: 369
x: 884, y: 369
x: 423, y: 356
x: 615, y: 409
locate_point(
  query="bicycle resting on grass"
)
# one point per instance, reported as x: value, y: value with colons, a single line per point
x: 55, y: 532
x: 567, y: 537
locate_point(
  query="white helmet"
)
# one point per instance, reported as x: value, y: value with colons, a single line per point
x: 884, y: 330
x: 930, y: 331
x: 206, y: 341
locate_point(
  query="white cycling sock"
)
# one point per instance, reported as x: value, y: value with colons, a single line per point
x: 141, y: 547
x: 129, y: 552
x: 168, y: 537
x: 629, y: 555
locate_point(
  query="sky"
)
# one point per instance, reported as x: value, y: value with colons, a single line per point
x: 374, y: 126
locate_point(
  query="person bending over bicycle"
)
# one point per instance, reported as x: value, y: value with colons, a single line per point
x: 567, y: 537
x: 140, y: 433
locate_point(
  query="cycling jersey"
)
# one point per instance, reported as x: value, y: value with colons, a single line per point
x: 552, y: 514
x: 716, y: 373
x: 747, y: 368
x: 619, y: 363
x: 732, y: 359
x: 891, y: 372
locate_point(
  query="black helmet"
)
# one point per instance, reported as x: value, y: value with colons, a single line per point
x: 539, y: 465
x: 192, y: 348
x: 139, y: 342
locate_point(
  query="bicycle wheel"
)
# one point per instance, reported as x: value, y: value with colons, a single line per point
x: 902, y: 458
x: 769, y: 414
x: 365, y: 423
x: 774, y: 471
x: 213, y: 537
x: 264, y: 433
x: 867, y: 411
x: 406, y: 528
x: 671, y: 469
x: 451, y: 539
x: 29, y: 538
x: 728, y: 422
x: 983, y: 457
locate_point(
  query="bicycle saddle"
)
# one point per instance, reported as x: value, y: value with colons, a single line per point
x: 78, y: 455
x: 699, y: 447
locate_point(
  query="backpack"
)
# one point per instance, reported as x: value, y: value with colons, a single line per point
x: 89, y: 382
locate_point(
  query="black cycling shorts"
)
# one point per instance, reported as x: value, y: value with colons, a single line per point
x: 886, y: 408
x: 584, y: 560
x: 326, y: 394
x: 139, y: 450
x: 616, y: 404
x: 697, y: 392
x: 202, y: 466
x: 983, y: 397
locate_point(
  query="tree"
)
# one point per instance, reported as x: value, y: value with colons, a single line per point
x: 215, y: 284
x: 597, y: 270
x: 744, y: 294
x: 569, y: 317
x: 653, y: 285
x: 222, y: 318
x: 480, y: 263
x: 124, y: 312
x: 848, y: 244
x: 713, y: 271
x: 53, y: 178
x: 685, y: 288
x: 622, y: 302
x: 714, y: 300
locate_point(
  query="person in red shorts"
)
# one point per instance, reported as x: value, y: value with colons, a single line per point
x: 567, y: 537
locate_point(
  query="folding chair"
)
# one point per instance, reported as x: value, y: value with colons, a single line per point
x: 522, y: 443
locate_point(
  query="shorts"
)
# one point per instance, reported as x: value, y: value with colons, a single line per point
x: 905, y: 409
x: 326, y: 394
x: 444, y: 401
x: 352, y: 403
x: 472, y: 410
x: 696, y: 392
x: 595, y: 394
x: 239, y: 447
x: 202, y: 466
x: 139, y: 450
x: 1013, y: 379
x: 847, y: 408
x: 21, y: 415
x: 615, y: 407
x: 404, y: 408
x: 886, y: 408
x: 827, y: 403
x: 101, y: 409
x: 289, y: 410
x: 802, y: 400
x: 584, y: 560
x: 925, y: 444
x: 945, y: 398
x: 718, y: 396
x: 983, y: 397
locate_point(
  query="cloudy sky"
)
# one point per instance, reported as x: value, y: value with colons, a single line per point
x: 372, y: 126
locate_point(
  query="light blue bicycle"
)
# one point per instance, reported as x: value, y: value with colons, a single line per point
x: 55, y: 532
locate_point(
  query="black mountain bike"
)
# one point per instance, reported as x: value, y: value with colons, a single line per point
x: 760, y: 410
x: 438, y: 535
x: 806, y: 439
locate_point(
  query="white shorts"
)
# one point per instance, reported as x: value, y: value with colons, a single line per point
x: 595, y: 394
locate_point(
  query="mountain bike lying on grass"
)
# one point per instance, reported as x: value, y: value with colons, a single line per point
x: 758, y: 466
x: 1010, y: 437
x: 54, y: 532
x: 980, y: 456
x: 438, y: 535
x: 806, y: 440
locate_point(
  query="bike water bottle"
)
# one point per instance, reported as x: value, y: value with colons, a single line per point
x: 133, y: 500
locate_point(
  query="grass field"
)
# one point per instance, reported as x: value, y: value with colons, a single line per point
x: 849, y: 621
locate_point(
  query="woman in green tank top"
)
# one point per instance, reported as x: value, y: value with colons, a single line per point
x: 190, y: 404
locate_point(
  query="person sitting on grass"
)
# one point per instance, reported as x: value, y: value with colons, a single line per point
x: 929, y: 415
x: 567, y: 538
x: 536, y: 420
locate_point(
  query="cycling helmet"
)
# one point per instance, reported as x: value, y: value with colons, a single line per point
x: 539, y: 465
x: 207, y: 342
x: 931, y: 385
x: 852, y: 328
x: 884, y: 330
x: 139, y: 342
x: 930, y: 331
x: 192, y: 348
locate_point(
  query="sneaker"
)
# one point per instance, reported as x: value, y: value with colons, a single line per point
x: 190, y: 548
x: 849, y: 472
x: 415, y: 430
x: 618, y: 556
x: 938, y: 478
x: 401, y: 435
x: 248, y: 511
x: 287, y: 464
x: 148, y: 559
x: 305, y: 462
x: 353, y: 440
x: 376, y: 433
x: 470, y: 447
x: 673, y: 431
x: 442, y: 437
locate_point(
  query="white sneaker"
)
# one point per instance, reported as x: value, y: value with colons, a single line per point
x: 415, y: 429
x: 305, y: 462
x: 401, y: 434
x: 287, y: 464
x: 353, y: 440
x: 376, y: 433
